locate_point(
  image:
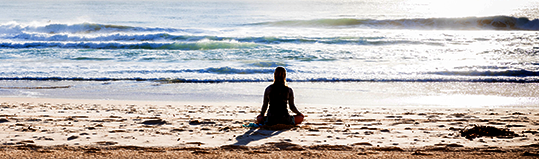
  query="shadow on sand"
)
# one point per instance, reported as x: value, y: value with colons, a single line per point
x: 255, y: 134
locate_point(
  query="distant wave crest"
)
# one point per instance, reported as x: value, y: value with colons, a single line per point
x: 466, y: 23
x: 79, y: 28
x: 202, y: 45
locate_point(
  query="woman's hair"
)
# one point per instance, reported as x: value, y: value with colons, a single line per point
x: 279, y: 76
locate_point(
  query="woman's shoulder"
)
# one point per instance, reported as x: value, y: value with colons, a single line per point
x: 280, y: 86
x: 268, y: 88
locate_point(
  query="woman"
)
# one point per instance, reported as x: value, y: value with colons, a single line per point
x: 277, y: 96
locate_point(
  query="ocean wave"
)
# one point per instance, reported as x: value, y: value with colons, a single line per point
x: 115, y: 36
x: 236, y: 80
x: 25, y: 36
x: 466, y: 23
x: 201, y: 45
x: 80, y: 28
x: 68, y: 40
x: 267, y: 64
x: 150, y: 36
x: 508, y: 73
x: 212, y: 70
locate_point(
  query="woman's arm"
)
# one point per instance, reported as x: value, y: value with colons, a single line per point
x: 266, y: 101
x: 291, y: 101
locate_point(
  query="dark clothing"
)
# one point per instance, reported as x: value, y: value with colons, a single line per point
x: 278, y: 105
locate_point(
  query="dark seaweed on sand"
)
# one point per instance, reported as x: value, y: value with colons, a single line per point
x: 489, y: 131
x: 154, y: 122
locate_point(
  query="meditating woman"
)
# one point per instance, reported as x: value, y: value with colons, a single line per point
x: 279, y: 96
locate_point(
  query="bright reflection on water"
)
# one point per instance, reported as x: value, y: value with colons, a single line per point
x: 465, y: 8
x: 456, y: 101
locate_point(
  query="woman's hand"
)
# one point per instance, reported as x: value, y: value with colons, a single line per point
x: 260, y: 119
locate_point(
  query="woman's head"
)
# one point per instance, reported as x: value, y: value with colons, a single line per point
x: 279, y: 76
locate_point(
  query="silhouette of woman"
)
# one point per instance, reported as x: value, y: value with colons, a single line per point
x: 278, y: 96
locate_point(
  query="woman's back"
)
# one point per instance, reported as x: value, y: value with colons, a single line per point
x: 278, y: 100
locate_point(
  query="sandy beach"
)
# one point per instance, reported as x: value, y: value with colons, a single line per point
x: 66, y: 128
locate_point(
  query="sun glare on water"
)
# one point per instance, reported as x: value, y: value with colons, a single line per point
x: 471, y: 101
x: 465, y: 8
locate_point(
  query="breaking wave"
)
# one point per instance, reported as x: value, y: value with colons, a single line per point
x: 202, y: 45
x: 507, y: 73
x: 231, y: 74
x: 80, y: 28
x: 466, y: 23
x: 212, y: 70
x: 191, y: 80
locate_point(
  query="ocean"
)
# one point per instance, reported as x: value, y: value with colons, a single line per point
x: 336, y: 52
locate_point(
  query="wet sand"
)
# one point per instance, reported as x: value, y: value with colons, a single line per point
x: 265, y: 152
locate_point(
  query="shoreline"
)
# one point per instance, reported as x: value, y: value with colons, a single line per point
x: 320, y: 95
